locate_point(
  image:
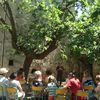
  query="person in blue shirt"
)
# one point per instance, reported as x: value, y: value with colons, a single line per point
x: 51, y: 88
x: 88, y: 81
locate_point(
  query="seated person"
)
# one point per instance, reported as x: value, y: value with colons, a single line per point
x: 15, y: 83
x: 97, y: 89
x: 86, y: 76
x: 37, y: 81
x: 21, y: 78
x: 51, y: 88
x: 20, y: 75
x: 37, y: 78
x: 87, y: 80
x: 3, y: 80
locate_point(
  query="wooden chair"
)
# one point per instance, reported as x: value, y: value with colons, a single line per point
x: 3, y: 92
x: 12, y: 93
x: 37, y: 92
x: 90, y: 87
x: 37, y: 88
x: 61, y: 94
x: 81, y: 94
x: 22, y: 82
x: 97, y: 95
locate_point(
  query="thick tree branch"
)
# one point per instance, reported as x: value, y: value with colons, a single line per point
x: 51, y: 47
x: 4, y: 8
x: 71, y: 13
x: 10, y: 16
x: 3, y: 22
x: 66, y: 6
x: 13, y: 31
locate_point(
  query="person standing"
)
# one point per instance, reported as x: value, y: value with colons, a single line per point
x: 60, y: 71
x: 73, y: 85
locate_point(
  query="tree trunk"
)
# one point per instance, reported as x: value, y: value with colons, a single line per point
x: 90, y: 68
x: 86, y: 65
x: 26, y: 65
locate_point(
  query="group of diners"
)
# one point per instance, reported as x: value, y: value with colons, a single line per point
x: 11, y: 81
x: 72, y: 84
x: 49, y: 81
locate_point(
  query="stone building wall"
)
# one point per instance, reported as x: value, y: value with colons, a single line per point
x: 5, y: 49
x: 5, y: 56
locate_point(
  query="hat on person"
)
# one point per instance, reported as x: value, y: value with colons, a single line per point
x: 38, y: 72
x: 3, y: 71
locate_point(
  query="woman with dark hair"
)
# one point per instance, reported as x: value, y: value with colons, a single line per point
x: 21, y: 77
x: 60, y: 71
x: 15, y: 83
x: 87, y: 81
x: 20, y: 74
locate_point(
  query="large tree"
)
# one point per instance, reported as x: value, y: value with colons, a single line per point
x: 84, y: 35
x: 36, y: 27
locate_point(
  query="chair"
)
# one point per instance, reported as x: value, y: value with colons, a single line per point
x: 3, y: 93
x: 22, y: 82
x: 12, y: 93
x: 61, y: 94
x: 89, y: 87
x: 81, y: 94
x: 37, y: 92
x: 97, y: 95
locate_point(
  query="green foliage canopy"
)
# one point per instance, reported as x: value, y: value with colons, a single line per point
x: 40, y: 23
x: 85, y: 32
x: 44, y: 25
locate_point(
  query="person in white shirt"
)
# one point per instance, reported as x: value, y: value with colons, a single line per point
x: 15, y: 83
